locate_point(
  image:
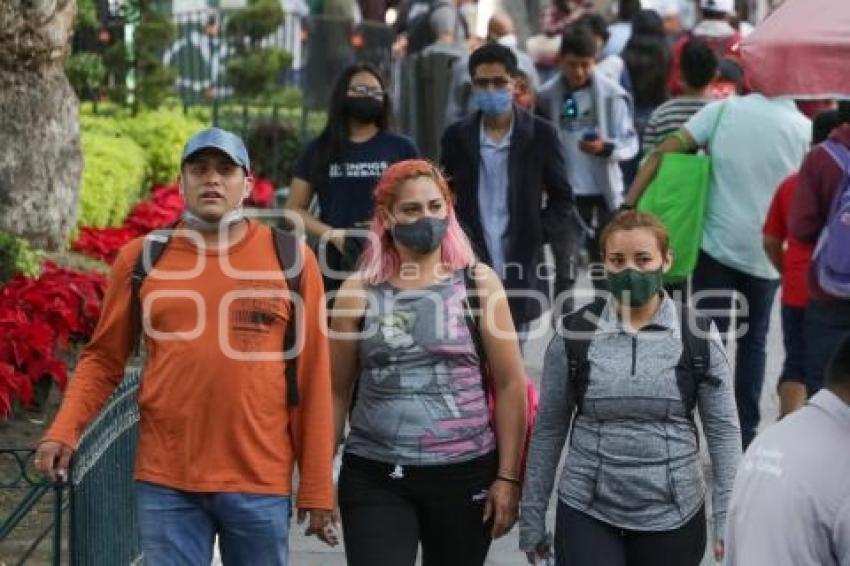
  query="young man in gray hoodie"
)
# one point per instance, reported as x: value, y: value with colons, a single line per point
x: 594, y: 119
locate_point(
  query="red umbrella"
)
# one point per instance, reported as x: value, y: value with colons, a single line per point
x: 801, y: 50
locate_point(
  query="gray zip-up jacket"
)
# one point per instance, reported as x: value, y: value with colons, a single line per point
x: 633, y: 458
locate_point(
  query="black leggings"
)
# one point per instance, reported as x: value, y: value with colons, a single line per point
x: 581, y: 540
x: 384, y: 519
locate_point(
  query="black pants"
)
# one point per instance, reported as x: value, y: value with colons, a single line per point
x: 581, y: 540
x: 567, y: 242
x: 827, y: 323
x: 384, y: 519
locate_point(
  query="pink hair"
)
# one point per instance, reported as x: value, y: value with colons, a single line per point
x: 380, y: 260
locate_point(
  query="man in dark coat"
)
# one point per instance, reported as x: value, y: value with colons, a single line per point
x: 501, y: 161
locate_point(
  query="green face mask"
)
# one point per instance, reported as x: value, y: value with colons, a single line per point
x: 635, y: 288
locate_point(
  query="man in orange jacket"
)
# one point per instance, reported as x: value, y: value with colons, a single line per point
x: 217, y: 440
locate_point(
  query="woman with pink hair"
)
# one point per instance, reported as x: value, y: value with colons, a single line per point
x: 421, y: 463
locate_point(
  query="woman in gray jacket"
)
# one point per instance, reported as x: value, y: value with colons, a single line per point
x: 623, y: 378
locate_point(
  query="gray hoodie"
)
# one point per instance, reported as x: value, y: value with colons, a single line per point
x: 613, y: 116
x: 633, y: 459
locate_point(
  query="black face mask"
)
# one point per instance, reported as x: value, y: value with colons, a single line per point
x: 423, y: 236
x: 364, y: 109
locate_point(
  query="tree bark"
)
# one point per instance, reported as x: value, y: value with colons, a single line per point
x: 40, y: 156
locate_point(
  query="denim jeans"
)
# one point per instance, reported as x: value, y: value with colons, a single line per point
x: 711, y: 275
x: 177, y: 528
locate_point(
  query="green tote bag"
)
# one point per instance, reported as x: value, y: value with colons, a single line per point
x: 678, y: 197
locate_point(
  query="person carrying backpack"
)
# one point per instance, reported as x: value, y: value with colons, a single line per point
x: 227, y: 407
x: 621, y: 380
x: 424, y: 462
x: 820, y: 215
x: 792, y: 259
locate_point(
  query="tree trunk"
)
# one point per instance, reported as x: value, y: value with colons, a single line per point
x: 40, y: 156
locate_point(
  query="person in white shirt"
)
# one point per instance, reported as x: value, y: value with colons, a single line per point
x: 791, y: 500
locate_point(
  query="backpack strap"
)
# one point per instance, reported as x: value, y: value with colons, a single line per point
x: 578, y: 329
x: 471, y: 306
x: 153, y: 246
x: 287, y: 248
x: 839, y: 153
x: 695, y: 362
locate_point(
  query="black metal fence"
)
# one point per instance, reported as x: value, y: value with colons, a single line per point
x: 102, y: 508
x: 200, y: 52
x: 91, y: 519
x: 33, y: 528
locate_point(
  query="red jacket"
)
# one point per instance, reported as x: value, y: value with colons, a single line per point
x: 820, y: 179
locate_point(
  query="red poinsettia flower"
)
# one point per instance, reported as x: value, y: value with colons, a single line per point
x: 38, y: 316
x: 262, y: 194
x: 103, y: 243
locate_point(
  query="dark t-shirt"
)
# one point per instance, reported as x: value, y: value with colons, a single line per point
x: 345, y: 197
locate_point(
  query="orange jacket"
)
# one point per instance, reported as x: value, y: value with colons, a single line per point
x: 212, y: 398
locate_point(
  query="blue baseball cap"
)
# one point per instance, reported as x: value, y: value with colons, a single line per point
x: 215, y: 138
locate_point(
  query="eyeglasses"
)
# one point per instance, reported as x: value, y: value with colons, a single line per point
x: 485, y: 82
x: 365, y: 90
x: 570, y: 108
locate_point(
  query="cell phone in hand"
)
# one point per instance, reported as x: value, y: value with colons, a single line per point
x: 590, y: 135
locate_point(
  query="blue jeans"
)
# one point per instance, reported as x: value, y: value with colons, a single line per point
x: 178, y: 528
x: 759, y: 293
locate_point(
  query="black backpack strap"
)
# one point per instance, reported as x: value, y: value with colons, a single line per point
x: 287, y: 247
x: 471, y: 306
x: 578, y: 328
x: 153, y: 246
x: 695, y: 362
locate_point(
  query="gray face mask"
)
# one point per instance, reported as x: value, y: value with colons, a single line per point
x: 423, y: 236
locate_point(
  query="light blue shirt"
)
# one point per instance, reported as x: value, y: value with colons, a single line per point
x: 619, y: 34
x: 581, y: 166
x: 759, y: 141
x: 493, y: 195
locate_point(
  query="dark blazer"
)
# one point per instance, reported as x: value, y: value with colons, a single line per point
x: 536, y: 165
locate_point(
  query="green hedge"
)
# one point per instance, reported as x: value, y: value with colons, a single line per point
x: 160, y: 133
x: 114, y: 177
x: 16, y: 257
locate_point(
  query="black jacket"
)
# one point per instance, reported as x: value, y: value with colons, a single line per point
x: 536, y: 165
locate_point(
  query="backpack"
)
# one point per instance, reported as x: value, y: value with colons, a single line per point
x: 420, y: 33
x: 831, y: 257
x: 691, y: 371
x: 287, y: 249
x: 471, y: 306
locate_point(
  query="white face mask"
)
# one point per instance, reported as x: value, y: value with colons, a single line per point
x: 230, y: 217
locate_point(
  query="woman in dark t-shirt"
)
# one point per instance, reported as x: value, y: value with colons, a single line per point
x: 343, y: 164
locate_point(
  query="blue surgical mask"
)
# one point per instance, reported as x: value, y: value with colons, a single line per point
x: 493, y: 102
